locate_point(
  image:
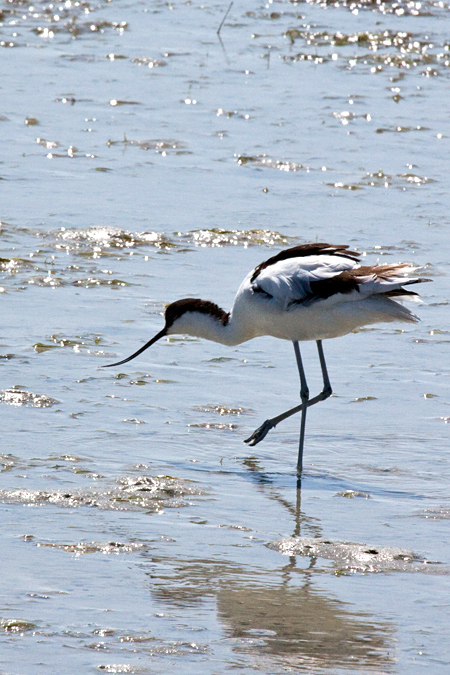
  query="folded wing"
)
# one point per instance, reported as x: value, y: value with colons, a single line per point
x: 311, y: 279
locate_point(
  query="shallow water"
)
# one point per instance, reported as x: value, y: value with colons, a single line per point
x: 143, y: 160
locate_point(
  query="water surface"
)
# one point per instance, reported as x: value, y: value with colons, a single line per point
x: 144, y: 160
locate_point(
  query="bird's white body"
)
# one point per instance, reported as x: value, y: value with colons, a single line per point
x: 281, y: 307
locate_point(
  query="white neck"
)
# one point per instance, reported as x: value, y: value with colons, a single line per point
x: 210, y: 328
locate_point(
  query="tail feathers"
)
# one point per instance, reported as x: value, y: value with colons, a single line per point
x: 415, y: 280
x: 390, y: 310
x: 394, y: 309
x: 392, y: 286
x: 404, y: 314
x: 399, y: 292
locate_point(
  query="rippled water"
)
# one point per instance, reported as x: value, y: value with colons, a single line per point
x: 144, y: 159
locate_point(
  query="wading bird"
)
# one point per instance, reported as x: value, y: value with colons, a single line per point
x: 308, y: 292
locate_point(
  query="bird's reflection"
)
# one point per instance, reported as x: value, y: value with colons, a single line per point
x: 265, y: 617
x: 264, y: 482
x: 299, y: 625
x: 277, y: 618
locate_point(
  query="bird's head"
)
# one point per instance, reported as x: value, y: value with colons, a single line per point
x: 181, y: 317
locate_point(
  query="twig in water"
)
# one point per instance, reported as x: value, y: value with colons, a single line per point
x: 224, y: 18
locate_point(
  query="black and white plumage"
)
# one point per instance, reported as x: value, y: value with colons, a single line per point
x: 308, y: 292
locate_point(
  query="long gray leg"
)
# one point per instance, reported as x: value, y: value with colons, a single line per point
x: 304, y: 395
x: 262, y: 431
x: 326, y: 391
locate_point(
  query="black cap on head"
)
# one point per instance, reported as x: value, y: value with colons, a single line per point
x: 180, y: 307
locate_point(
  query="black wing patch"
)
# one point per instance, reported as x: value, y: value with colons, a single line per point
x: 258, y: 289
x: 305, y: 250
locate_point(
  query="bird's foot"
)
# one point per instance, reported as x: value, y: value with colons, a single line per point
x: 260, y: 433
